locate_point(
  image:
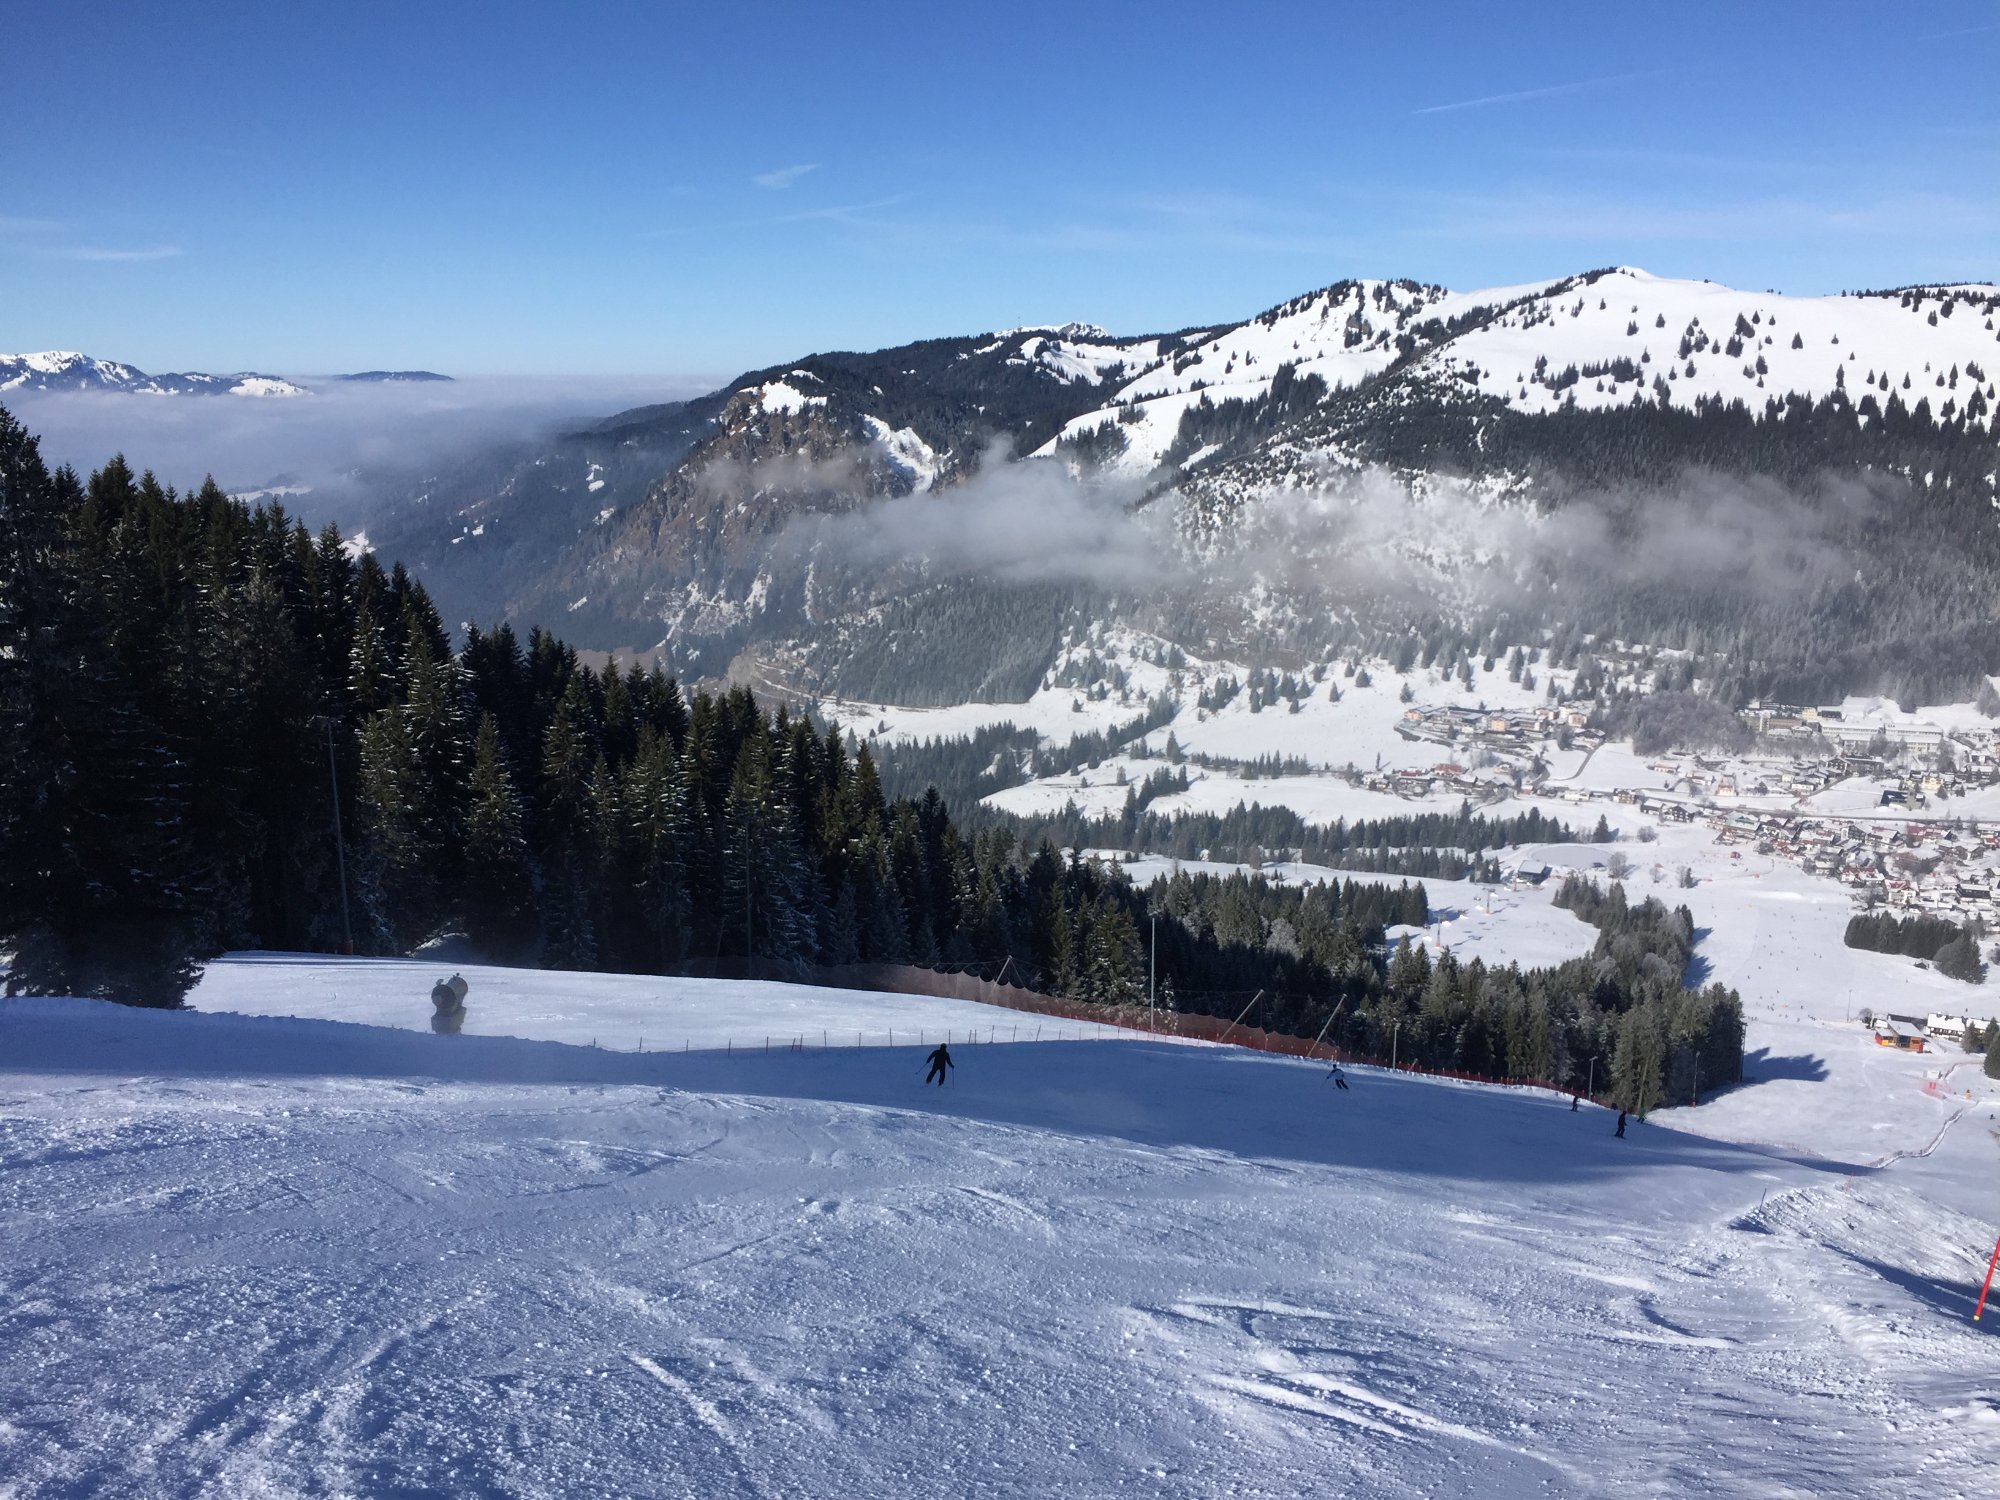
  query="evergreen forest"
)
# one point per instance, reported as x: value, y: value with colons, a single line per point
x: 225, y: 732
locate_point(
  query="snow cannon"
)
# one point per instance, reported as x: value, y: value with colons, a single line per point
x: 448, y: 1005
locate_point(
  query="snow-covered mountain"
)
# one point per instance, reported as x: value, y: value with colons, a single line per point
x: 1256, y: 454
x: 62, y: 370
x: 1604, y: 339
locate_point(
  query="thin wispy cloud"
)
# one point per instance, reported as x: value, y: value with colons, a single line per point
x: 784, y: 177
x: 114, y: 255
x: 1119, y: 224
x: 1693, y: 161
x: 29, y: 226
x: 847, y: 213
x: 1632, y: 221
x: 1521, y: 96
x: 1939, y: 36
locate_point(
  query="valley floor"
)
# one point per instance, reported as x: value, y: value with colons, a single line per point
x: 252, y: 1255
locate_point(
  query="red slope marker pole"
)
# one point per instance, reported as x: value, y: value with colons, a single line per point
x: 1987, y: 1285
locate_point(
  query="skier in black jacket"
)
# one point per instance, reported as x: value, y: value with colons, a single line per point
x: 1621, y: 1125
x: 939, y: 1061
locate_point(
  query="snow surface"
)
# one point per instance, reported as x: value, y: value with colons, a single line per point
x: 619, y: 1012
x: 1360, y: 730
x: 265, y: 385
x: 1503, y: 924
x: 906, y: 450
x: 1858, y: 336
x: 291, y: 1243
x: 778, y: 395
x: 249, y: 1255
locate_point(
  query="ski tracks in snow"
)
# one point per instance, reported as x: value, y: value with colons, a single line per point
x: 344, y: 1286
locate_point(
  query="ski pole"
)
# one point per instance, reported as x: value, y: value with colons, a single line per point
x: 1988, y: 1283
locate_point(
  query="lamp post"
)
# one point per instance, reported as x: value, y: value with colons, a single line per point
x: 1152, y: 970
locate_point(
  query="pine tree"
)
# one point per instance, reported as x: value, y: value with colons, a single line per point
x: 1113, y: 962
x: 1638, y: 1065
x: 496, y: 897
x: 1959, y: 959
x: 653, y: 790
x: 38, y: 634
x: 840, y: 932
x: 397, y: 857
x: 745, y: 855
x: 101, y: 892
x: 371, y: 670
x: 570, y: 867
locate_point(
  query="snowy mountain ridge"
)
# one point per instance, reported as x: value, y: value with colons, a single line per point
x: 1590, y: 342
x: 66, y: 370
x: 1482, y: 413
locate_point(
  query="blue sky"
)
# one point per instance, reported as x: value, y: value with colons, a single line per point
x: 532, y: 188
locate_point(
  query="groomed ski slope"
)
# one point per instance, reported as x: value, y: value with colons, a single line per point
x: 254, y: 1255
x: 619, y: 1012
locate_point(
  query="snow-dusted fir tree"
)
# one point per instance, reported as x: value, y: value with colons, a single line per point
x: 497, y: 896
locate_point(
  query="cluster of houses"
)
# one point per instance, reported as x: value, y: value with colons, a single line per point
x: 1931, y: 868
x: 1446, y: 779
x: 1919, y: 1033
x: 1501, y: 729
x: 1819, y: 748
x: 1784, y: 721
x: 1951, y: 872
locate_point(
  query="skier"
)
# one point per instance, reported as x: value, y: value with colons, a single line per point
x: 939, y: 1061
x: 1574, y: 1100
x: 1621, y: 1124
x: 1339, y: 1078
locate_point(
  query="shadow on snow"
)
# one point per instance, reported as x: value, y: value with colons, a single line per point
x: 1148, y: 1094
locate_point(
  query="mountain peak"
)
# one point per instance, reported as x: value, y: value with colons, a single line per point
x: 67, y: 370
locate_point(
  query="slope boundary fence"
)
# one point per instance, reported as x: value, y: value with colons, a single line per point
x: 1142, y: 1021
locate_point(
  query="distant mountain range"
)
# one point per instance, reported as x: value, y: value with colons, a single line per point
x: 393, y: 377
x: 62, y: 370
x: 740, y: 527
x: 1786, y: 496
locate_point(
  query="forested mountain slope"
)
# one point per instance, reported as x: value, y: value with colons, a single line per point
x: 1794, y: 494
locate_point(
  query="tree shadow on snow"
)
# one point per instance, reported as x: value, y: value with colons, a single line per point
x: 1761, y: 1067
x: 1699, y: 970
x: 1136, y: 1092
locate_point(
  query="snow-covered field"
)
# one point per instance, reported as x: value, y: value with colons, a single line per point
x: 1320, y: 800
x: 246, y: 1254
x: 618, y: 1012
x: 1363, y: 730
x: 1358, y: 730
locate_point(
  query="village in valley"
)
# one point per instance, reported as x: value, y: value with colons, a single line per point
x: 1902, y: 809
